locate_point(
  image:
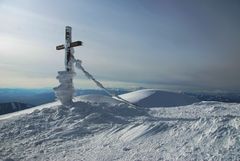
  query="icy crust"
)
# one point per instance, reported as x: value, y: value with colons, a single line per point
x: 158, y: 98
x: 109, y: 130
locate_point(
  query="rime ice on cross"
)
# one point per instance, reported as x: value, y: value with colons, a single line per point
x: 65, y: 91
x: 68, y: 48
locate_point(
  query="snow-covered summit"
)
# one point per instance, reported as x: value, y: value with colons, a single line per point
x: 158, y: 98
x: 100, y: 128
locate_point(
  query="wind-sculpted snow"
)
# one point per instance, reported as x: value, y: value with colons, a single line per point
x: 101, y: 128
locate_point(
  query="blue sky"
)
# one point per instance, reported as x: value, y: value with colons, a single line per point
x: 179, y: 45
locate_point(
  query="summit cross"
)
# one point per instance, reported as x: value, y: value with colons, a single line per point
x: 69, y: 48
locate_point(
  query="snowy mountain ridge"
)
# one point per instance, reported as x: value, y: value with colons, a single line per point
x: 158, y: 98
x: 98, y: 127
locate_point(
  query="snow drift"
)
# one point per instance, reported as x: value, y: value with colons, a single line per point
x: 101, y: 128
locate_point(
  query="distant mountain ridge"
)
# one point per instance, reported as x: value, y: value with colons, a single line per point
x: 10, y: 107
x: 28, y: 96
x: 35, y: 97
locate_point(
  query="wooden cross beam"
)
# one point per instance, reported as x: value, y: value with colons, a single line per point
x: 68, y: 46
x: 73, y: 44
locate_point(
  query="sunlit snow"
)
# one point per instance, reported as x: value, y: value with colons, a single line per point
x: 100, y: 128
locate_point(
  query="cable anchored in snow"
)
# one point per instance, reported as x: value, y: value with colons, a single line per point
x: 100, y: 85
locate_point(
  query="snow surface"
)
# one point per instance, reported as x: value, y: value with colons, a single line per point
x: 100, y: 128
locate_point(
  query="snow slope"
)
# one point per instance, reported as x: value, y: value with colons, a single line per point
x: 157, y: 98
x: 100, y: 128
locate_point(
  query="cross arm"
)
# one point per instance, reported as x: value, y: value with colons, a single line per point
x: 73, y: 44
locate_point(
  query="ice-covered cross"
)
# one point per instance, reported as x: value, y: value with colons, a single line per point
x: 65, y: 91
x: 69, y: 48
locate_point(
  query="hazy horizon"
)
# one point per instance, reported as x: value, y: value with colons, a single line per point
x: 172, y: 45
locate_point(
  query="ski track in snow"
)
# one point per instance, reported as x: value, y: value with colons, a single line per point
x: 101, y: 128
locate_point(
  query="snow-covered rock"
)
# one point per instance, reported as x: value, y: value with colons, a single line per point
x: 101, y: 128
x: 158, y: 98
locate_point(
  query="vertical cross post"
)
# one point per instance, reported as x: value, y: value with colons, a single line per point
x: 68, y: 51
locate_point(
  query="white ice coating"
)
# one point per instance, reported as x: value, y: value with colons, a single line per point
x: 65, y: 91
